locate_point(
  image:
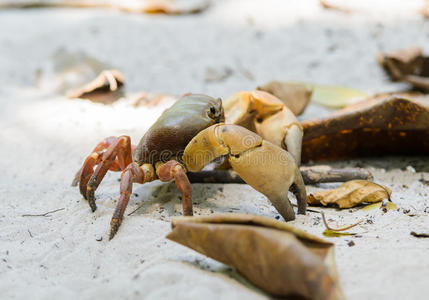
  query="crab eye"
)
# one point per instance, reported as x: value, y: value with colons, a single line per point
x: 212, y: 110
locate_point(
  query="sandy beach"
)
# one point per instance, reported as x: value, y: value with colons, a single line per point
x: 46, y: 136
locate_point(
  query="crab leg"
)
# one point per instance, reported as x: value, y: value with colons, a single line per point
x: 174, y: 170
x: 266, y: 167
x: 132, y: 173
x: 120, y: 148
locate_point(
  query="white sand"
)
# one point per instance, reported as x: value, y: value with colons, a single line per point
x: 45, y: 137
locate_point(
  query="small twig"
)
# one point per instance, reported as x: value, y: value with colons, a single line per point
x: 30, y: 233
x: 43, y: 215
x: 140, y: 206
x: 326, y: 223
x: 310, y: 175
x: 338, y: 229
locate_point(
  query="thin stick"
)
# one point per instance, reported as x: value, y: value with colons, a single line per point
x: 43, y: 215
x: 140, y: 206
x: 325, y: 222
x: 338, y: 229
x: 310, y: 175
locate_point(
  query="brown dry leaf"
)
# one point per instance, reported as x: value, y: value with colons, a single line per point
x: 171, y: 7
x: 103, y: 89
x: 295, y: 96
x: 408, y: 65
x: 275, y: 256
x: 381, y: 125
x: 350, y: 194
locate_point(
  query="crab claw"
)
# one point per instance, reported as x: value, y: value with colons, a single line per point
x: 266, y: 167
x: 266, y: 115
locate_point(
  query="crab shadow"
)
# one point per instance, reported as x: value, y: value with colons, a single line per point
x: 163, y: 198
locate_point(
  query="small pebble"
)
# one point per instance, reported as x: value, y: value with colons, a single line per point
x: 351, y: 243
x: 98, y: 238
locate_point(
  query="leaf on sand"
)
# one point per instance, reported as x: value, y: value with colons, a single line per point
x: 335, y: 96
x: 294, y: 95
x: 389, y: 206
x: 333, y: 233
x: 171, y: 7
x: 275, y: 256
x: 381, y: 125
x: 408, y: 65
x: 350, y: 194
x: 103, y: 89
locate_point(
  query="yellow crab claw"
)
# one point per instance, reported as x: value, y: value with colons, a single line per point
x: 266, y: 115
x: 266, y: 167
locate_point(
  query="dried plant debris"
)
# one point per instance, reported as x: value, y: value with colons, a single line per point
x: 275, y: 256
x: 408, y: 65
x: 335, y: 96
x: 104, y: 88
x: 380, y: 125
x: 310, y: 175
x: 420, y: 234
x: 172, y: 7
x: 294, y: 95
x: 350, y: 194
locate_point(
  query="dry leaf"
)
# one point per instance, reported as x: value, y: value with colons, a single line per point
x: 333, y: 233
x: 275, y: 256
x: 388, y: 206
x: 408, y: 65
x: 335, y: 96
x: 294, y: 95
x: 350, y: 194
x: 103, y: 89
x: 380, y: 125
x: 173, y: 7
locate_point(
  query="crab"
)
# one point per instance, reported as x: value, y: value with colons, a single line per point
x: 186, y: 137
x: 265, y: 114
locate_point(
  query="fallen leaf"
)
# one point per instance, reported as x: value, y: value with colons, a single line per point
x: 103, y: 89
x: 335, y: 96
x: 275, y: 256
x: 294, y: 95
x: 408, y: 65
x: 172, y: 7
x: 380, y: 125
x: 389, y: 206
x: 333, y: 233
x: 350, y: 194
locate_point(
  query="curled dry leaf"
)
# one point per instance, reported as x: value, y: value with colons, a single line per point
x: 275, y: 256
x: 294, y: 95
x: 104, y: 88
x: 381, y: 125
x: 408, y: 65
x: 350, y: 194
x: 173, y: 7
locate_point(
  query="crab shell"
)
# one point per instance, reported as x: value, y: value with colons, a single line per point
x: 167, y: 138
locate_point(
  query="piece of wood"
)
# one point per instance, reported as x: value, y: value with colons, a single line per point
x: 311, y: 175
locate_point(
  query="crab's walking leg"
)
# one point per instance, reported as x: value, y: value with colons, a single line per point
x: 174, y: 170
x: 266, y: 167
x: 132, y: 173
x: 121, y: 148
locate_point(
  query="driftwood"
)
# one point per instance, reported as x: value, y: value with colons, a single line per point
x: 311, y: 175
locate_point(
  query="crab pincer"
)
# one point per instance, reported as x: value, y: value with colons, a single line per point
x: 266, y: 167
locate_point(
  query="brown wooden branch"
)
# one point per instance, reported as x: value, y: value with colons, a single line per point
x: 311, y: 175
